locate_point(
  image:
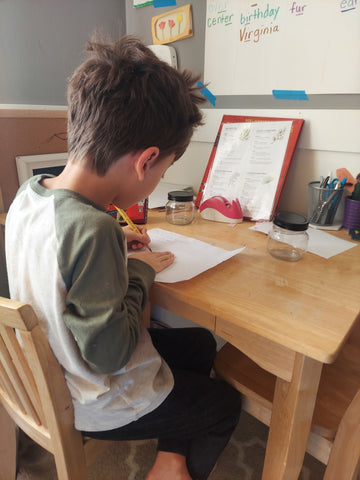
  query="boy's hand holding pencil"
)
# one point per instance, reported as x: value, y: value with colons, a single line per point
x: 137, y: 240
x: 136, y: 236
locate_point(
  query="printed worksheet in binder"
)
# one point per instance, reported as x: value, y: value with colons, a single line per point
x: 250, y: 161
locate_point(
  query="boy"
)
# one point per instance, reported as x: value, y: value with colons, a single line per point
x: 130, y: 117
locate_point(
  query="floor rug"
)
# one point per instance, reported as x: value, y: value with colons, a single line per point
x: 242, y: 459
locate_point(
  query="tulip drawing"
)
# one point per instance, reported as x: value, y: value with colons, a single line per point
x: 171, y: 25
x: 162, y: 26
x: 179, y: 19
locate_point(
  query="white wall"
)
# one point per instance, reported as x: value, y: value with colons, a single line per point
x: 329, y: 140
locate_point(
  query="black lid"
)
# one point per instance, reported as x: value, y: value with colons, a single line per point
x: 291, y: 221
x: 181, y: 196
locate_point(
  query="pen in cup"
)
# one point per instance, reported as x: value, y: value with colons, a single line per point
x: 131, y: 224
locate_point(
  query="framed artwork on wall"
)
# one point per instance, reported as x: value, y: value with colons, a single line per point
x: 30, y: 165
x: 171, y: 26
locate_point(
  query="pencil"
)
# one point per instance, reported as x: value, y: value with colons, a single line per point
x: 128, y: 220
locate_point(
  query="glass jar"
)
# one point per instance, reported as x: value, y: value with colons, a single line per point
x: 288, y: 238
x: 180, y: 208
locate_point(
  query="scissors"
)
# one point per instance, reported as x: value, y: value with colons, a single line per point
x: 332, y: 184
x: 324, y: 182
x: 335, y: 181
x: 324, y: 204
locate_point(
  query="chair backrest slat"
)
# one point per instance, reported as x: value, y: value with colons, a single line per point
x: 6, y: 387
x: 14, y: 345
x: 20, y: 375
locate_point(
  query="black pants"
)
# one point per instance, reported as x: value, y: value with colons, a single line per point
x: 199, y: 415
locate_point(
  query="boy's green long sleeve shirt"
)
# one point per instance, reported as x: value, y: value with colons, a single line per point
x: 68, y: 259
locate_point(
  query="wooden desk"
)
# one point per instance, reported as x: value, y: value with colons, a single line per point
x: 289, y: 317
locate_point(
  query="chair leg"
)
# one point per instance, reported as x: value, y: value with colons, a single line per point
x: 344, y: 460
x: 8, y: 446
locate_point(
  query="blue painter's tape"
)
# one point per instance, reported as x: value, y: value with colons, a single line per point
x: 164, y: 3
x: 290, y: 94
x: 207, y: 94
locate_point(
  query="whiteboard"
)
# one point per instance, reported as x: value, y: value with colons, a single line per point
x: 255, y: 47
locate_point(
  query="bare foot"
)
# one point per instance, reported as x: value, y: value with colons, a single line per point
x: 169, y: 466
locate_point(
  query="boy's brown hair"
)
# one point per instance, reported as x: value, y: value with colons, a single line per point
x: 124, y: 99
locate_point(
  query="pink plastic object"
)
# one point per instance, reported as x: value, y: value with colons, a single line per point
x: 219, y: 209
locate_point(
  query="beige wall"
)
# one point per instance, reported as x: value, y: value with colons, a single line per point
x: 27, y: 132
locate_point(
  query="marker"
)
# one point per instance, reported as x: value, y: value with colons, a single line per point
x: 131, y: 224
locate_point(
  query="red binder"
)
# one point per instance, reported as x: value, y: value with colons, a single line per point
x: 297, y: 125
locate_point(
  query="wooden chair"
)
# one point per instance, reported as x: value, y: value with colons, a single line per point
x: 345, y: 453
x: 335, y: 433
x: 34, y: 393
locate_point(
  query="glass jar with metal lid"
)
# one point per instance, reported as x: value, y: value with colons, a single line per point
x: 180, y: 208
x: 288, y: 238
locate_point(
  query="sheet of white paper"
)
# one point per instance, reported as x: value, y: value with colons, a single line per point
x: 320, y: 242
x: 192, y: 256
x: 326, y: 245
